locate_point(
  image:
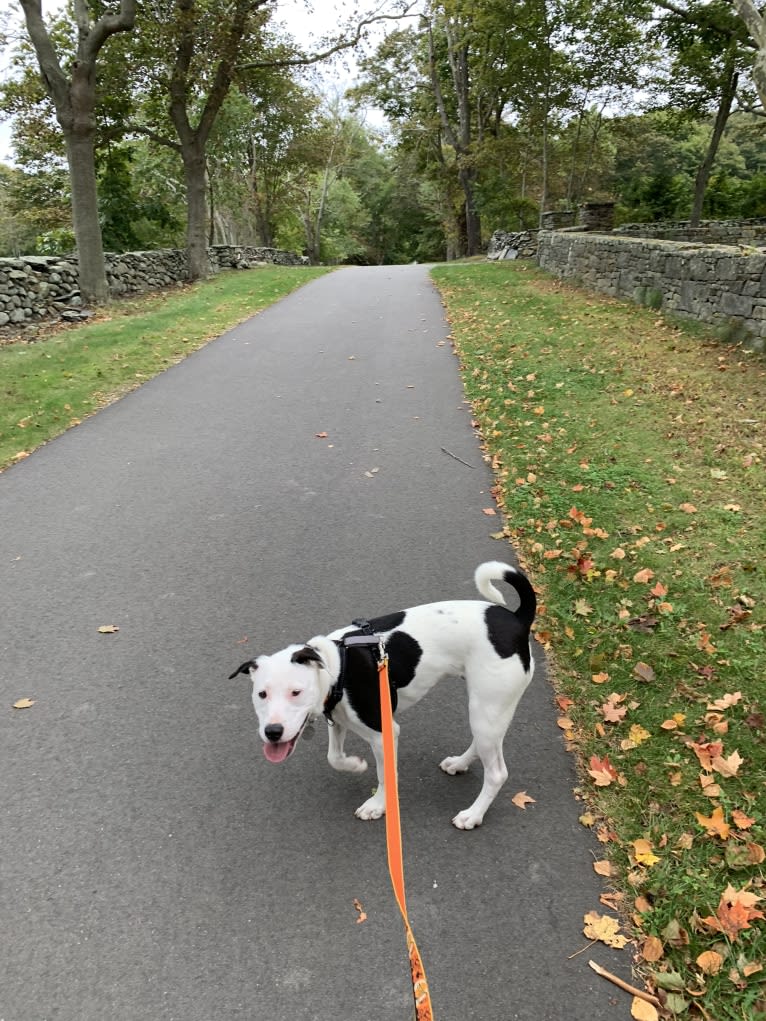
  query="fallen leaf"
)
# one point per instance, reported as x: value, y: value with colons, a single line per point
x: 108, y: 629
x: 726, y: 701
x: 582, y: 608
x: 688, y: 508
x: 321, y: 436
x: 728, y: 766
x: 652, y: 949
x: 601, y: 678
x: 489, y: 511
x: 709, y: 962
x: 644, y: 576
x: 736, y: 909
x: 741, y: 821
x: 522, y: 799
x: 605, y: 929
x: 362, y: 914
x: 642, y: 1010
x: 643, y: 672
x: 643, y: 854
x: 602, y: 771
x: 715, y: 825
x: 24, y: 703
x: 603, y: 868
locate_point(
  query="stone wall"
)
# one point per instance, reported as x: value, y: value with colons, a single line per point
x: 506, y: 244
x: 719, y: 285
x: 750, y: 233
x: 36, y: 287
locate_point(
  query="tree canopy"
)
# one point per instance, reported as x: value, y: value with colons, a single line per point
x: 486, y: 113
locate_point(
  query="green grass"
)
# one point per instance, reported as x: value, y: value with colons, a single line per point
x: 49, y: 386
x: 628, y: 453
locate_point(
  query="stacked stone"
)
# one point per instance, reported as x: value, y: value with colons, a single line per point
x: 748, y: 233
x: 507, y: 245
x: 719, y: 285
x: 36, y: 287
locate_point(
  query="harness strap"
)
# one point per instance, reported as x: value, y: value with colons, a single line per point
x: 421, y: 993
x: 367, y: 638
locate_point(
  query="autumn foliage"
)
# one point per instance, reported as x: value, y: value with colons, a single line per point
x: 629, y: 470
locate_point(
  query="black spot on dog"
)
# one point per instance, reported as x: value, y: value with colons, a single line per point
x: 507, y: 634
x: 361, y: 682
x: 381, y: 625
x: 404, y: 654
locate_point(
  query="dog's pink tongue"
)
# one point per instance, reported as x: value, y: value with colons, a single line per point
x: 277, y: 752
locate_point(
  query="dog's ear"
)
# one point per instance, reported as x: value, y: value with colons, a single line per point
x: 306, y: 655
x: 245, y: 668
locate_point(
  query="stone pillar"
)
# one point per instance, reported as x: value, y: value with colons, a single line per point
x: 597, y: 216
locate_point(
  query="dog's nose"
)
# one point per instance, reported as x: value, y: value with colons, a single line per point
x: 274, y: 731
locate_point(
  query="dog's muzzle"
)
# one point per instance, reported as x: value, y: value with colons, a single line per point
x: 276, y: 750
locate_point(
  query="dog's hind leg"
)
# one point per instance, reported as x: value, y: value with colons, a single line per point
x: 490, y: 718
x: 337, y: 757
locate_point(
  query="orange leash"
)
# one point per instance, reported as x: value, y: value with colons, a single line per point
x: 423, y: 1008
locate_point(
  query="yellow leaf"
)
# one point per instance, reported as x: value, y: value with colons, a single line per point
x: 643, y: 854
x: 642, y: 1010
x: 24, y: 703
x: 605, y: 929
x: 108, y: 629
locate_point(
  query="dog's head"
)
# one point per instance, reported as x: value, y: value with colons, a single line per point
x: 289, y: 688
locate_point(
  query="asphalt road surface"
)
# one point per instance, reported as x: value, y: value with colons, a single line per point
x: 153, y: 865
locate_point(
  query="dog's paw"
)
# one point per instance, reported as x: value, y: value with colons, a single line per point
x: 371, y: 809
x: 467, y: 820
x: 348, y: 764
x: 453, y: 765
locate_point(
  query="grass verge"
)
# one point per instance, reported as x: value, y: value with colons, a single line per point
x: 628, y: 454
x: 50, y: 386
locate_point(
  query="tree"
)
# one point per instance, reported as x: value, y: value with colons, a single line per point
x: 74, y: 98
x: 756, y: 26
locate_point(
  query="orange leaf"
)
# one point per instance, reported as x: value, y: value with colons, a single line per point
x: 602, y: 771
x: 652, y: 949
x: 714, y: 825
x: 735, y: 911
x: 741, y: 821
x: 522, y: 799
x: 600, y: 678
x: 644, y: 576
x: 642, y: 1010
x: 709, y: 962
x: 489, y: 511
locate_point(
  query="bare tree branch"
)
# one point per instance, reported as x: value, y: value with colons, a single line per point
x: 343, y: 44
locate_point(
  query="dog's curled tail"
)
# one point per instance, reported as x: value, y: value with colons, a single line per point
x: 493, y: 570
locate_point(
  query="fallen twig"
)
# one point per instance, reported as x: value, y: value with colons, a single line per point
x: 458, y: 458
x: 624, y: 985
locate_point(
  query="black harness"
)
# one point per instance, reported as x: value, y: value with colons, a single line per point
x: 367, y: 639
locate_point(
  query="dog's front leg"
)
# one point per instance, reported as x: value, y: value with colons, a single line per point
x: 337, y: 757
x: 375, y: 807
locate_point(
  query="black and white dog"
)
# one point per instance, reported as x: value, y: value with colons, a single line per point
x: 484, y: 642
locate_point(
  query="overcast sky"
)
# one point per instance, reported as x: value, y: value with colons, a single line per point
x: 307, y: 22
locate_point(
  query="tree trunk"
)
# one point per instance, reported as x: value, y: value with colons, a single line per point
x: 87, y: 227
x: 74, y: 100
x: 196, y: 211
x: 756, y: 26
x: 467, y: 177
x: 706, y: 167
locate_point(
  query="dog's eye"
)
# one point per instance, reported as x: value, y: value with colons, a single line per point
x: 261, y: 694
x: 296, y: 693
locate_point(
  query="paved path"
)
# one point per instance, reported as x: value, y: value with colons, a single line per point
x: 153, y: 865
